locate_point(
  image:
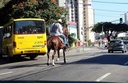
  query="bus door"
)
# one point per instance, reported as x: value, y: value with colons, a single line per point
x: 1, y: 38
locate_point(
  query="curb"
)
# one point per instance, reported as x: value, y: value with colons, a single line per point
x: 80, y: 49
x: 83, y: 49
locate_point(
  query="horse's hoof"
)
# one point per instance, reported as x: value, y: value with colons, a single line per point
x: 47, y: 64
x: 64, y: 62
x: 53, y: 64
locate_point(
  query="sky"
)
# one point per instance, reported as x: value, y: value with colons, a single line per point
x: 109, y: 10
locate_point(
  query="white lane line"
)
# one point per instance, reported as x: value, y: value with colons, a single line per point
x: 5, y: 73
x: 102, y: 77
x: 126, y: 63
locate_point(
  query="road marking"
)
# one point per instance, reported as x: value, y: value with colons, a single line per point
x: 102, y: 77
x: 126, y: 63
x: 5, y: 73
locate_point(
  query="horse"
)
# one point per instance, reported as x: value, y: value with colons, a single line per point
x: 55, y: 43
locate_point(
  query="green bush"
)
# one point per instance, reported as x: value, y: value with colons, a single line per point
x: 71, y: 40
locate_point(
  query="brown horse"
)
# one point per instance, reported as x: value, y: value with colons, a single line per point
x: 55, y: 43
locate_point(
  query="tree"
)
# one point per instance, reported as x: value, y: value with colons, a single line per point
x: 2, y: 2
x: 108, y: 28
x: 46, y: 9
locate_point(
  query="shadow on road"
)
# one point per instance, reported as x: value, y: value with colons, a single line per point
x: 3, y: 60
x: 53, y: 82
x: 119, y: 59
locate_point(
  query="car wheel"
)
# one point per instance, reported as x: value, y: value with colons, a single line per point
x: 108, y: 51
x: 126, y: 50
x: 123, y: 51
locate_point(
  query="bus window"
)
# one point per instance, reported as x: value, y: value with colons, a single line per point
x: 4, y: 33
x: 29, y: 27
x: 7, y: 32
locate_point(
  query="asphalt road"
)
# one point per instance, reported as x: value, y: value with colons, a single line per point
x: 90, y: 66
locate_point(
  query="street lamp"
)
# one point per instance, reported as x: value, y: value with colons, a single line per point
x: 103, y: 28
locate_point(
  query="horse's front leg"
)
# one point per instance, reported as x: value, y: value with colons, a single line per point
x: 48, y: 59
x: 53, y: 62
x: 58, y: 55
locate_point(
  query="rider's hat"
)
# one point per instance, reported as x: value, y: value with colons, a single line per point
x: 60, y: 20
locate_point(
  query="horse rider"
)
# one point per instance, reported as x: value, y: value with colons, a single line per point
x: 56, y: 29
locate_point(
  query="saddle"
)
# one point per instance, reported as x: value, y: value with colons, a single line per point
x: 61, y: 39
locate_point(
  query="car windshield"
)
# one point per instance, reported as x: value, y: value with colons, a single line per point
x: 115, y: 41
x: 125, y: 42
x: 29, y: 27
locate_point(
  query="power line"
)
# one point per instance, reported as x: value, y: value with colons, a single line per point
x: 106, y: 15
x: 106, y: 10
x: 108, y: 2
x: 109, y: 10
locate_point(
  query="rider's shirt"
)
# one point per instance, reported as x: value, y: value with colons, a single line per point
x: 56, y: 29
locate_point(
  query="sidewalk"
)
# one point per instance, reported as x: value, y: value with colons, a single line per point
x: 83, y: 49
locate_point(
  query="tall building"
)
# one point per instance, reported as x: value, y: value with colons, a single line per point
x: 80, y: 20
x: 75, y: 14
x: 82, y: 13
x: 126, y: 18
x: 89, y: 21
x: 71, y: 21
x: 61, y: 3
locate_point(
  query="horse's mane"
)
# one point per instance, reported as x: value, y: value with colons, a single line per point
x: 65, y: 31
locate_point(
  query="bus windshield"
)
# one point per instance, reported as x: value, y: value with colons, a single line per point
x: 29, y: 27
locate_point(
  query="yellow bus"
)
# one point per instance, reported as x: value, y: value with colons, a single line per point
x: 24, y: 36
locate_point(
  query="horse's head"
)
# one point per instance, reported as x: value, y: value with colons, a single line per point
x: 65, y: 31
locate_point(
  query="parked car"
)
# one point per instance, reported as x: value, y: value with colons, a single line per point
x: 126, y: 43
x: 117, y: 45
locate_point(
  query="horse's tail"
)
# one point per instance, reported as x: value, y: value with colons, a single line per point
x: 51, y: 42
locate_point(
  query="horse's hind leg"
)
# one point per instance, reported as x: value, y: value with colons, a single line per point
x: 64, y: 55
x: 48, y: 59
x: 53, y: 62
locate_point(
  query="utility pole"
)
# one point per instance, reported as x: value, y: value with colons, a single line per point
x: 102, y: 29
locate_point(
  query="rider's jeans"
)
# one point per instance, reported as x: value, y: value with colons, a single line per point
x: 64, y: 38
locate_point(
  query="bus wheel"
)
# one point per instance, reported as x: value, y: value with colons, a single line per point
x: 1, y: 55
x: 9, y: 58
x: 32, y: 57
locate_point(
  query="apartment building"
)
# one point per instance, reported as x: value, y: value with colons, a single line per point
x: 81, y: 13
x: 71, y: 21
x: 75, y: 14
x: 126, y: 18
x: 88, y: 21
